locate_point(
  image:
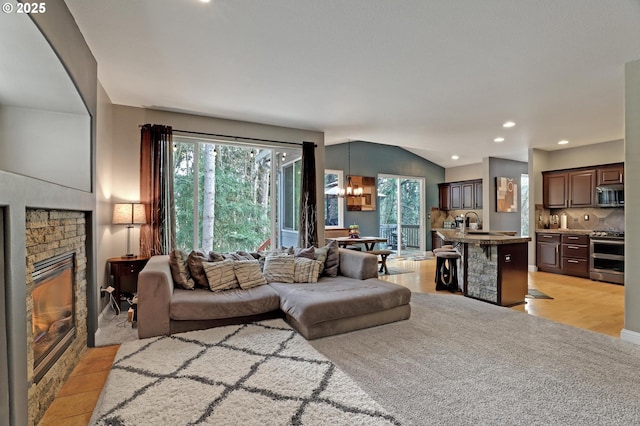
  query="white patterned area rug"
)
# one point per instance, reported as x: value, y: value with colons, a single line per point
x: 251, y: 374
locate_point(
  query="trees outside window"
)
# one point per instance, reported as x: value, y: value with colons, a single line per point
x: 222, y: 195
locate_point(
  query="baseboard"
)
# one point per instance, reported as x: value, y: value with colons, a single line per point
x: 533, y: 268
x: 630, y: 336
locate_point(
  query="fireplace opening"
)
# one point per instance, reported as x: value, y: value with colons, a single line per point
x: 53, y: 313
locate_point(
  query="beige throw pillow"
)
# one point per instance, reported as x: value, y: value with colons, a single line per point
x: 178, y: 261
x: 220, y: 275
x: 306, y: 270
x: 248, y: 273
x: 279, y: 269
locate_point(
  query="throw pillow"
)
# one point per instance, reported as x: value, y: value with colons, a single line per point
x: 195, y: 260
x: 178, y: 261
x: 248, y: 273
x: 306, y: 270
x: 332, y: 264
x: 309, y: 253
x: 279, y: 269
x: 321, y: 256
x: 220, y: 275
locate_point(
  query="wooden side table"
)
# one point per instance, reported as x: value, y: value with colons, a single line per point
x: 125, y: 272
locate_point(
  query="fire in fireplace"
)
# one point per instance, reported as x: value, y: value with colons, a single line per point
x: 53, y: 310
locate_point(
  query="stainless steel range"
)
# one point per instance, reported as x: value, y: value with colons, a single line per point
x: 607, y: 256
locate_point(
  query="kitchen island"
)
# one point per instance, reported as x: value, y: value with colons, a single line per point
x: 494, y: 264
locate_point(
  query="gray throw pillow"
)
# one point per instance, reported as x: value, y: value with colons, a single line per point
x: 321, y: 256
x: 309, y: 253
x: 332, y: 264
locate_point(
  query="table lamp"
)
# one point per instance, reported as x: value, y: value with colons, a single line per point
x: 129, y: 214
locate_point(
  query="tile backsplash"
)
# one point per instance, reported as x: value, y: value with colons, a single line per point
x: 583, y: 218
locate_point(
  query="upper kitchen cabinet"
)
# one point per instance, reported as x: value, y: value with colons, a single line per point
x: 477, y: 194
x: 574, y: 188
x: 444, y: 190
x: 555, y: 190
x: 611, y: 174
x: 582, y: 188
x: 465, y: 195
x: 456, y: 196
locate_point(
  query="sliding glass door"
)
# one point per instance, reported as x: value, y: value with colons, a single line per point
x: 401, y: 219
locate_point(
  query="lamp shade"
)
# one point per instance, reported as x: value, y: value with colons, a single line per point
x: 129, y: 214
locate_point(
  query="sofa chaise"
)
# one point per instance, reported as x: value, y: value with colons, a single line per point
x: 352, y: 300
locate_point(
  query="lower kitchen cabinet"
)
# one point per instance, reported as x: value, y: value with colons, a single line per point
x: 548, y: 252
x: 566, y: 254
x: 575, y: 255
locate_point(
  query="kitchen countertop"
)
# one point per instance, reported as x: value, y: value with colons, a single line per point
x: 481, y: 237
x: 566, y: 231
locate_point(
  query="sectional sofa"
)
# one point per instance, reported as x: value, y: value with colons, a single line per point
x: 353, y: 299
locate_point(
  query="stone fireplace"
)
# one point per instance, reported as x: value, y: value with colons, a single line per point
x: 56, y: 291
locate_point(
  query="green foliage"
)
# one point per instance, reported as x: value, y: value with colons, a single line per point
x: 242, y: 204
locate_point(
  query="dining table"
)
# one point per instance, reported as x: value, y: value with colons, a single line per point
x: 368, y: 242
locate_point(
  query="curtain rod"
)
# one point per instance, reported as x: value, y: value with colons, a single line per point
x: 238, y: 138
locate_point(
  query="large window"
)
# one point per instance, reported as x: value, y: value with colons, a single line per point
x: 333, y: 203
x: 225, y: 195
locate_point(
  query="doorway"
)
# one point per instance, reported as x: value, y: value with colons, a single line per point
x: 402, y: 219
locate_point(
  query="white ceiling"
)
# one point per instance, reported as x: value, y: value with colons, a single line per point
x: 437, y: 77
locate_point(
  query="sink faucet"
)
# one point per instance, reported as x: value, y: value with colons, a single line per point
x: 464, y: 222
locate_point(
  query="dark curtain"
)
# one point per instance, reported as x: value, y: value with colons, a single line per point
x: 157, y: 236
x: 308, y: 232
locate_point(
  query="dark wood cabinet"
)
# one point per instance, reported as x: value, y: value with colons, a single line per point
x: 610, y: 174
x: 455, y: 203
x: 444, y: 196
x: 575, y: 255
x: 577, y: 187
x: 465, y: 195
x: 436, y: 241
x: 468, y: 201
x: 477, y: 194
x: 124, y: 271
x: 568, y: 189
x: 582, y: 186
x: 554, y: 190
x: 566, y: 254
x: 548, y: 252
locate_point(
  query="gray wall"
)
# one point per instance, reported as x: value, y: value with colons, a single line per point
x: 19, y: 192
x: 370, y: 159
x: 499, y: 167
x: 631, y: 330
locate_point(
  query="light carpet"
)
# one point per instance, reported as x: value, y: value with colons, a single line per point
x: 459, y: 361
x: 255, y: 374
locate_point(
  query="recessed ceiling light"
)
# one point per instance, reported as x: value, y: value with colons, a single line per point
x: 499, y: 139
x: 509, y: 124
x: 563, y: 142
x: 205, y: 1
x: 454, y: 157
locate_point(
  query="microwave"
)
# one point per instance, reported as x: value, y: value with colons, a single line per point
x: 610, y: 195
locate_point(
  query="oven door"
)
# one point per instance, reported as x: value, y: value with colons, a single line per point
x: 607, y: 260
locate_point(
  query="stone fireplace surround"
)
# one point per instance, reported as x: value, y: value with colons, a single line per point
x: 50, y: 233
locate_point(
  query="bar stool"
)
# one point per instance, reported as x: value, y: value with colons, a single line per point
x: 447, y: 270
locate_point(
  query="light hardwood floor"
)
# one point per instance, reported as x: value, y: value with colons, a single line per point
x: 578, y: 302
